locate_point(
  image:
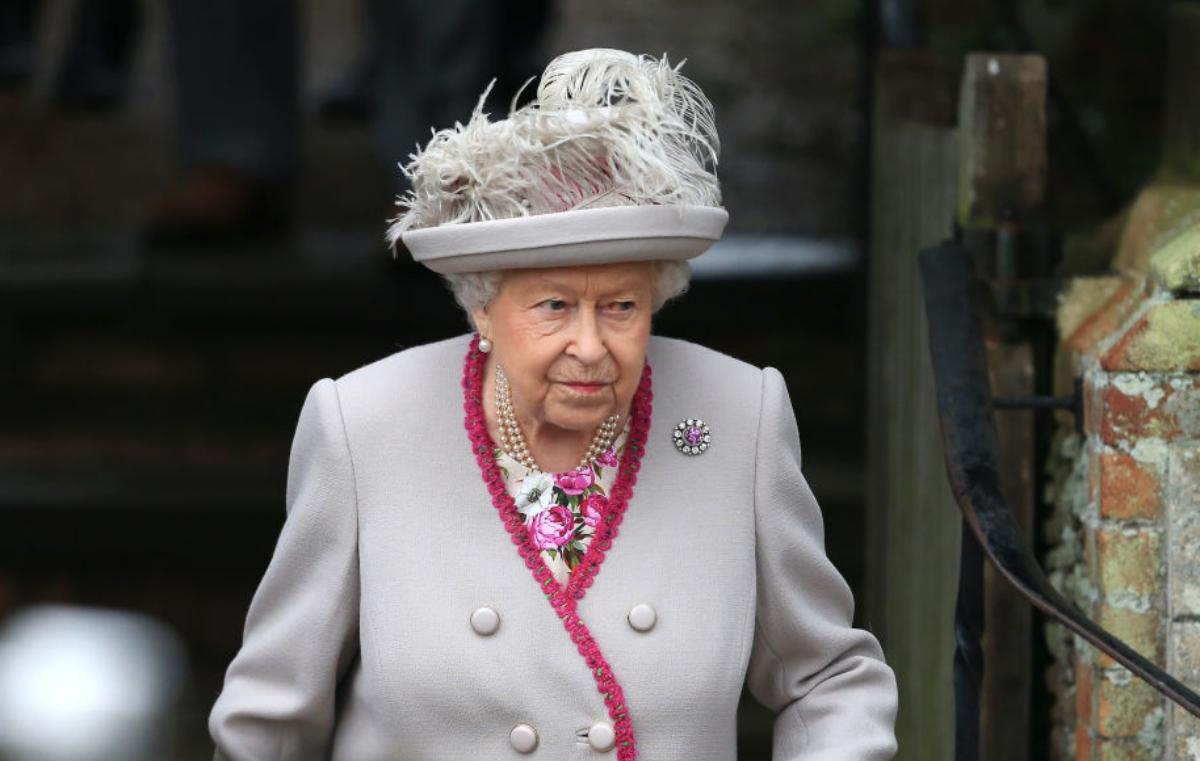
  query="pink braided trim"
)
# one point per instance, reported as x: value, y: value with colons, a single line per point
x: 564, y: 599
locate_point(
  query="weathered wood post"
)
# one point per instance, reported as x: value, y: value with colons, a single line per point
x: 1002, y: 139
x: 986, y: 175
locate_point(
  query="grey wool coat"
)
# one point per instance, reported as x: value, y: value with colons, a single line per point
x: 359, y: 642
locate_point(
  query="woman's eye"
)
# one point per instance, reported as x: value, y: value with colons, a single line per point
x: 622, y: 306
x: 554, y: 305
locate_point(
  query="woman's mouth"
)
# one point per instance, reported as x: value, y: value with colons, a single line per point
x: 585, y: 388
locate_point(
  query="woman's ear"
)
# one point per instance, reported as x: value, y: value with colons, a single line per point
x: 483, y: 323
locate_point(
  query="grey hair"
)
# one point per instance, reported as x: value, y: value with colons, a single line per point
x: 475, y: 290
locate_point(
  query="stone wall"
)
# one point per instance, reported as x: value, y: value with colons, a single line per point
x: 1127, y: 493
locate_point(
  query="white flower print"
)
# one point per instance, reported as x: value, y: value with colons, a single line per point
x: 536, y: 495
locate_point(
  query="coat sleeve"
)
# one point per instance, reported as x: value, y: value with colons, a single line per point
x: 833, y: 694
x: 301, y: 629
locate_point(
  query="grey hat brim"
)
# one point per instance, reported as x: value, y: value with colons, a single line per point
x: 568, y: 238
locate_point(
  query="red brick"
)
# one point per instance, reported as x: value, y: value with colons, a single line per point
x: 1165, y: 339
x: 1185, y: 651
x: 1128, y: 489
x: 1128, y: 564
x: 1138, y: 629
x: 1083, y: 694
x: 1122, y: 708
x: 1124, y: 749
x: 1083, y: 742
x: 1127, y: 417
x: 1106, y: 319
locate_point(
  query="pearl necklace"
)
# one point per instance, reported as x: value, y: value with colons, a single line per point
x: 513, y: 441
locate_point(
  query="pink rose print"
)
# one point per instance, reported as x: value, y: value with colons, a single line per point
x: 607, y: 458
x: 593, y: 508
x: 553, y: 527
x: 574, y: 481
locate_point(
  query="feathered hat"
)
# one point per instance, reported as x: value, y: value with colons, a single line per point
x: 613, y: 160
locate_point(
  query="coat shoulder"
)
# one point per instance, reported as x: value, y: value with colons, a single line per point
x: 414, y: 365
x: 679, y: 363
x: 406, y: 387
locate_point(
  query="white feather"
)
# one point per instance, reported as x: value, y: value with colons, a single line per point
x: 605, y: 128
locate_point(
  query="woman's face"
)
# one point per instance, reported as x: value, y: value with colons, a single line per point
x: 572, y: 340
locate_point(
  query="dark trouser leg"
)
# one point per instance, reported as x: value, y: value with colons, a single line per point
x: 96, y: 71
x: 434, y: 61
x: 236, y: 64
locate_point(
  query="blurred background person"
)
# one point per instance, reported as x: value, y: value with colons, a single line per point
x: 99, y: 44
x: 237, y: 65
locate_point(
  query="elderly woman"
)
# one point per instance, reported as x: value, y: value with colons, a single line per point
x: 560, y: 536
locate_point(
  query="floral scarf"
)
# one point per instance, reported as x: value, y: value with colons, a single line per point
x: 561, y: 510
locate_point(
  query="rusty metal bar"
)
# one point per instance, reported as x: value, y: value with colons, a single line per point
x: 964, y: 399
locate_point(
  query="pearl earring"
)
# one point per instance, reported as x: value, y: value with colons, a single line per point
x: 485, y: 345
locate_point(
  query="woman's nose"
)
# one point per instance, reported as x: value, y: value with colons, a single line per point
x: 588, y: 345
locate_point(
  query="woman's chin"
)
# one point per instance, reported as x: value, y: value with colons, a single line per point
x: 580, y: 423
x: 582, y: 415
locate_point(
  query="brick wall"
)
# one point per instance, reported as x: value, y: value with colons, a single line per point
x: 1127, y: 494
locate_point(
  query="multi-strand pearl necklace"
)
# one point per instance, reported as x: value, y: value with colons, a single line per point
x: 513, y: 441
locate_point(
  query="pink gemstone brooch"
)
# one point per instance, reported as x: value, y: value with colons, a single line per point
x: 692, y: 436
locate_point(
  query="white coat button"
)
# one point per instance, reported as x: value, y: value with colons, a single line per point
x: 601, y: 736
x: 524, y: 738
x: 485, y: 621
x: 642, y: 617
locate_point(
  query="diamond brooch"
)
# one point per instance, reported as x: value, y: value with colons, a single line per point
x: 692, y: 436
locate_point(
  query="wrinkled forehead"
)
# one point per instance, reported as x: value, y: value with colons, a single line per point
x: 590, y: 280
